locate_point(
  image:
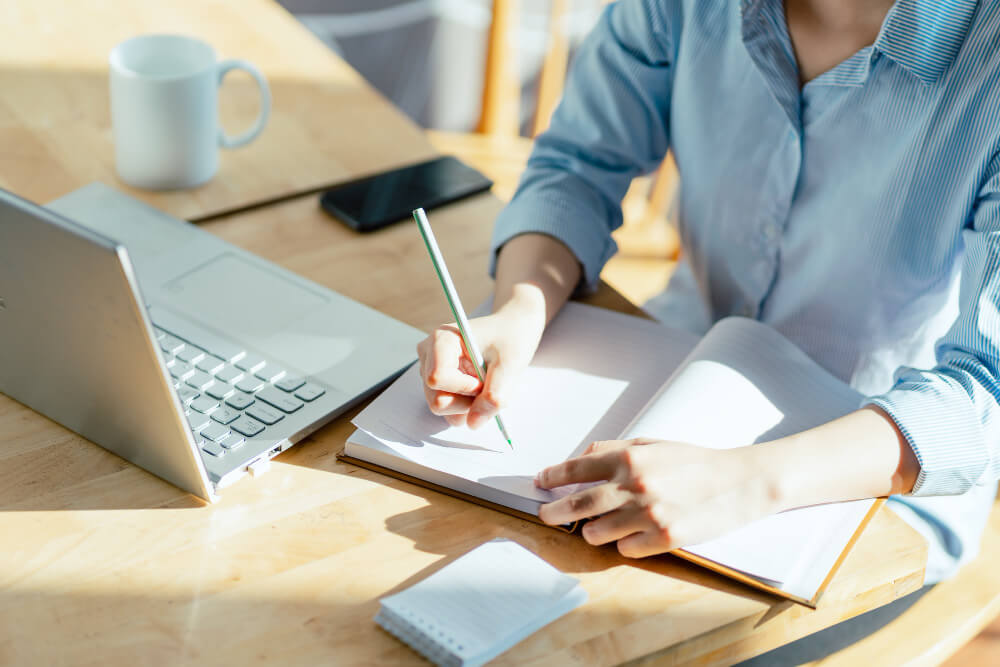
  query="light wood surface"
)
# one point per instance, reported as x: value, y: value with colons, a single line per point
x: 327, y: 125
x: 942, y: 620
x: 105, y: 561
x: 105, y: 564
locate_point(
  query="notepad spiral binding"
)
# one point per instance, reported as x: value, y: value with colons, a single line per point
x: 422, y: 636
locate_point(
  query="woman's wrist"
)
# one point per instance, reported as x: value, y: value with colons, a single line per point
x: 860, y: 455
x: 524, y: 309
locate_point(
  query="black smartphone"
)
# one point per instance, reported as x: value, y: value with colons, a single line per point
x: 376, y: 201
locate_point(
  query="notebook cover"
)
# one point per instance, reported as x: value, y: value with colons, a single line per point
x: 680, y: 553
x: 569, y: 528
x: 750, y: 581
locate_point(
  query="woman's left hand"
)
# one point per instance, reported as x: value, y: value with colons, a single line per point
x: 659, y: 495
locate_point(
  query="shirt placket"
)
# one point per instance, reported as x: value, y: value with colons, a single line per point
x: 766, y: 39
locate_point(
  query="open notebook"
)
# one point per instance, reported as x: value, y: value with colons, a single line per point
x: 600, y: 375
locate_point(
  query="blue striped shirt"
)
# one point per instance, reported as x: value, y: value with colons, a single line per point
x: 859, y: 214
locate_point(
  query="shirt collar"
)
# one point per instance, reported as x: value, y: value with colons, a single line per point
x: 924, y: 36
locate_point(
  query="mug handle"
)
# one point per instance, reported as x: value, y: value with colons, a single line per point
x: 265, y: 102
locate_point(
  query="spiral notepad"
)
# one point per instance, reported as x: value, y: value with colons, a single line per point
x: 479, y: 606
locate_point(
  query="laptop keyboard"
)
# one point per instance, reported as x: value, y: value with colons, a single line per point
x: 228, y: 393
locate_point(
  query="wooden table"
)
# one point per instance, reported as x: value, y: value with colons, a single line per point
x: 327, y: 125
x: 103, y: 563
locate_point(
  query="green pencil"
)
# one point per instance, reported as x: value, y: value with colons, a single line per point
x: 451, y: 294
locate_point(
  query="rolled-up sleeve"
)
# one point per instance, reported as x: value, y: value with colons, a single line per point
x: 950, y: 415
x: 611, y: 125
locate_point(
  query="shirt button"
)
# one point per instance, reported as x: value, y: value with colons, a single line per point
x: 772, y: 232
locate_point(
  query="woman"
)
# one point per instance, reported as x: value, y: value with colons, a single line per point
x: 840, y: 166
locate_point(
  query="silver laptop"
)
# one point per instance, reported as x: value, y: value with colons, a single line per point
x: 199, y: 362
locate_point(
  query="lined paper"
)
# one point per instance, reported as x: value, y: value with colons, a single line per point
x: 481, y: 604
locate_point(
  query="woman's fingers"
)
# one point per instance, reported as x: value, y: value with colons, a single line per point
x: 441, y: 364
x: 583, y: 504
x: 588, y: 468
x: 614, y: 445
x: 445, y: 403
x: 615, y: 525
x: 647, y: 543
x: 492, y: 397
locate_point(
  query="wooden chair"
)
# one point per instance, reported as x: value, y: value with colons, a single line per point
x: 647, y: 243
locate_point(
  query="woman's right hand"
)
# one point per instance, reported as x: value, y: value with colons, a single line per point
x: 507, y: 339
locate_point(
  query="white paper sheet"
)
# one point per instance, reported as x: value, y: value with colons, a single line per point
x: 595, y: 370
x: 742, y: 384
x: 592, y: 373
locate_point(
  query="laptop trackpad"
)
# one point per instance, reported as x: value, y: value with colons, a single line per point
x: 257, y: 307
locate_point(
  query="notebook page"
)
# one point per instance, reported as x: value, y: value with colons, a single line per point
x: 745, y: 383
x: 592, y: 373
x: 487, y: 600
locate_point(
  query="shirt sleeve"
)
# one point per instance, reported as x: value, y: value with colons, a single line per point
x: 611, y: 124
x: 950, y: 415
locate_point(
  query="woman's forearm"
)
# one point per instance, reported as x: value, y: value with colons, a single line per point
x: 860, y: 455
x: 535, y: 273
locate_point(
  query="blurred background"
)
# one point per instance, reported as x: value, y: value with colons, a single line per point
x: 429, y: 56
x: 484, y: 77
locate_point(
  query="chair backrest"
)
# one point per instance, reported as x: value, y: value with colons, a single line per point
x: 501, y: 107
x: 502, y: 90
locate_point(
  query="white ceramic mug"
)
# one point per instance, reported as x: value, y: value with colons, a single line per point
x: 165, y: 110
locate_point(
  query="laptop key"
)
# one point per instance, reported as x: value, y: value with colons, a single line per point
x: 181, y: 328
x: 210, y: 364
x: 247, y: 426
x: 264, y: 414
x: 249, y: 384
x: 160, y: 333
x: 229, y: 374
x: 204, y: 404
x: 240, y: 401
x: 232, y: 441
x: 220, y: 390
x: 186, y: 394
x: 179, y: 370
x: 197, y: 421
x: 279, y: 399
x: 225, y: 415
x: 190, y: 354
x: 290, y: 383
x: 214, y: 432
x: 310, y: 392
x: 199, y: 380
x: 171, y: 344
x: 214, y: 449
x: 250, y: 363
x: 270, y: 373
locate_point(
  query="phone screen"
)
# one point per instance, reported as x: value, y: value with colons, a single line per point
x: 379, y: 200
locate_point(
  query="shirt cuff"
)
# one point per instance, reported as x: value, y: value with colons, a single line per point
x: 943, y: 428
x: 559, y: 215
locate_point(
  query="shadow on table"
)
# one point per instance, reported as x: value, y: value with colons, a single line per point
x: 446, y: 522
x: 326, y: 617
